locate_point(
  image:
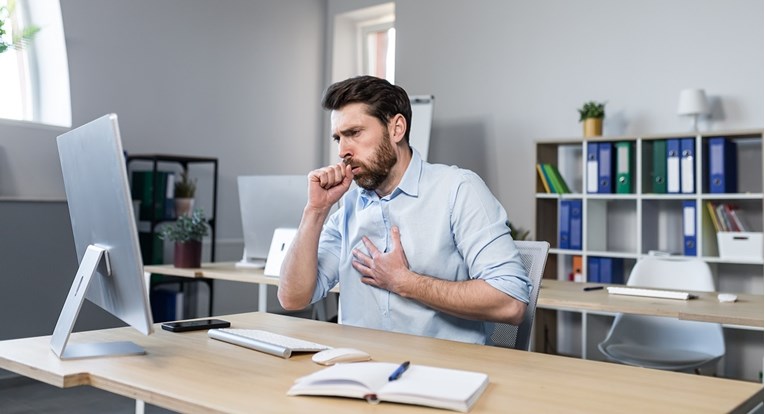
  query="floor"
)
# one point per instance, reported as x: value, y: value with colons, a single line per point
x: 26, y: 396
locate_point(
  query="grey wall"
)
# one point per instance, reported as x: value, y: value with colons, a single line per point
x: 237, y: 80
x: 506, y: 73
x: 29, y: 165
x: 241, y: 81
x: 38, y: 269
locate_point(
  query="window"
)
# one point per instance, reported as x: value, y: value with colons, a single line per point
x: 16, y: 99
x: 364, y: 43
x: 35, y: 80
x: 379, y: 50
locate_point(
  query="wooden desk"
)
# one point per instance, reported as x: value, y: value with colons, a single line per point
x: 225, y: 271
x: 745, y: 314
x: 189, y: 372
x: 569, y: 296
x: 554, y: 294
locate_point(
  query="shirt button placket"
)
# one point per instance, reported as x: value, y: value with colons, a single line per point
x: 385, y: 212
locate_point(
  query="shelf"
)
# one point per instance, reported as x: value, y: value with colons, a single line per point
x: 566, y: 252
x: 611, y: 196
x: 651, y: 196
x: 747, y: 196
x: 628, y: 225
x: 152, y: 247
x: 619, y: 229
x: 618, y: 255
x: 154, y: 160
x: 565, y: 196
x: 712, y: 259
x: 180, y: 159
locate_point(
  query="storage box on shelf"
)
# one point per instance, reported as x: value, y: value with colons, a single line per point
x: 650, y: 204
x: 739, y: 245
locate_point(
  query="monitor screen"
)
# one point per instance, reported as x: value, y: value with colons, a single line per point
x: 266, y: 203
x: 105, y: 235
x: 422, y: 118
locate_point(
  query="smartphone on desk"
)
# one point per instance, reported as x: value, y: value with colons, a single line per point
x: 202, y: 324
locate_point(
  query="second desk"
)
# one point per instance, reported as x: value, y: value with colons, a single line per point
x: 225, y: 271
x: 746, y: 313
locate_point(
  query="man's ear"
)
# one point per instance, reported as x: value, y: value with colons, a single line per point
x: 398, y: 126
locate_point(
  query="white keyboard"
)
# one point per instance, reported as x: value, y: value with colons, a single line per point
x: 263, y: 341
x: 651, y: 293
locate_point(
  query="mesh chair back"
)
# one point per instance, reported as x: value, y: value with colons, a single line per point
x: 534, y: 257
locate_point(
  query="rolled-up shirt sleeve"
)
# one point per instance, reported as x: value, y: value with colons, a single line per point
x: 483, y: 238
x: 330, y: 243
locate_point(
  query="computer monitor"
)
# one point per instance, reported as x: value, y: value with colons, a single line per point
x: 422, y: 119
x: 266, y: 203
x: 111, y: 270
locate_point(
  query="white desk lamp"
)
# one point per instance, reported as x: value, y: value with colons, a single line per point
x: 693, y: 102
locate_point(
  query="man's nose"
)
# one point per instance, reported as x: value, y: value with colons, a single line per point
x: 343, y: 149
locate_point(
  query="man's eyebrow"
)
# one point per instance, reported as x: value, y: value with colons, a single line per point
x: 350, y: 130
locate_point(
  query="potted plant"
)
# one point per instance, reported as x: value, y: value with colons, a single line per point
x: 517, y: 233
x: 592, y: 114
x: 184, y: 194
x: 187, y: 233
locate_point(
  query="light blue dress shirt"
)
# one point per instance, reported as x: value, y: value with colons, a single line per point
x: 452, y: 228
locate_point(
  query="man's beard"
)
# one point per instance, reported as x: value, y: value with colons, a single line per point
x: 373, y: 174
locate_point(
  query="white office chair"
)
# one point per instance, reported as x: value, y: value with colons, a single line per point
x: 661, y: 342
x: 534, y: 257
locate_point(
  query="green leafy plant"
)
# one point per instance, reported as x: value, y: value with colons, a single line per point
x: 19, y: 40
x: 186, y: 187
x: 592, y: 109
x: 186, y: 228
x: 517, y: 233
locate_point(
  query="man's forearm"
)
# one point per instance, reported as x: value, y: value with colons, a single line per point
x: 297, y: 279
x: 471, y: 299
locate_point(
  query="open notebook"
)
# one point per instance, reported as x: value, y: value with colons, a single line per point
x: 420, y: 385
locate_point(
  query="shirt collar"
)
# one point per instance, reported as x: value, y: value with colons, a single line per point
x: 409, y: 183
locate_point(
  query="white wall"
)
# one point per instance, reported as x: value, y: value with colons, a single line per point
x: 242, y: 81
x: 506, y: 73
x: 236, y: 80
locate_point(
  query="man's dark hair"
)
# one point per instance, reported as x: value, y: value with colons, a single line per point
x: 383, y: 100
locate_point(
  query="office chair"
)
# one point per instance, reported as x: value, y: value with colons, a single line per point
x: 661, y: 342
x: 534, y: 257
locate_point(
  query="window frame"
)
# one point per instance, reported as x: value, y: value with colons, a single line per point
x: 364, y: 30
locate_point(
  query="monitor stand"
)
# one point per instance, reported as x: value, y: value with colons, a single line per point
x: 95, y: 258
x: 250, y: 263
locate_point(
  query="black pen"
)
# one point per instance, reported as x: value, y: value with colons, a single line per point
x: 400, y: 370
x: 589, y: 288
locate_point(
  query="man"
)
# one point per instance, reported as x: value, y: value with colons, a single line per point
x: 418, y: 248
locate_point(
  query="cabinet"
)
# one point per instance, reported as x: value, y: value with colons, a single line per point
x: 628, y: 226
x: 205, y: 170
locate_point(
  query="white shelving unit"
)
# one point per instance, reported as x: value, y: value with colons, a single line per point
x: 629, y: 226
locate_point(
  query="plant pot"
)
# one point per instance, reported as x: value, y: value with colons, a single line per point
x: 593, y: 127
x: 188, y: 255
x: 183, y: 206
